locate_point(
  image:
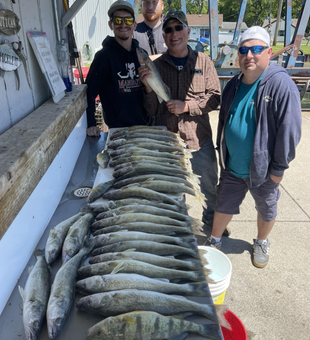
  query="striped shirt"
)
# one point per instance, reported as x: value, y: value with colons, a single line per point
x: 197, y: 84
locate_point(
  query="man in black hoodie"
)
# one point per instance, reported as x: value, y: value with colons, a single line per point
x: 113, y: 75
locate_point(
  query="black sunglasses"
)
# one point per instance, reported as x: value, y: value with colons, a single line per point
x: 119, y: 20
x: 169, y: 29
x: 253, y: 49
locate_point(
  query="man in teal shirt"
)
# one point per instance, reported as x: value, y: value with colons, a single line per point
x: 259, y: 129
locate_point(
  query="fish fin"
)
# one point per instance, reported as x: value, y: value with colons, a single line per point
x: 183, y: 336
x: 21, y: 292
x: 167, y: 90
x: 118, y: 268
x: 30, y: 269
x: 197, y: 231
x: 38, y: 252
x: 220, y: 311
x: 159, y: 99
x: 132, y: 249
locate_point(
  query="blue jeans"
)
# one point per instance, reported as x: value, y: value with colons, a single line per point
x: 204, y: 164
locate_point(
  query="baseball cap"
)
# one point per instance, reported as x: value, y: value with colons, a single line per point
x: 120, y: 5
x: 174, y: 14
x: 255, y: 32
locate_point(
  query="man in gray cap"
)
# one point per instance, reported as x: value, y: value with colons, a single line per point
x: 113, y: 75
x: 195, y: 91
x: 258, y: 131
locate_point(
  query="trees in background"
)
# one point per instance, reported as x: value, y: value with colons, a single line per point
x: 256, y: 11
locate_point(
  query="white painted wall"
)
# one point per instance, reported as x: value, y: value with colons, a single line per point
x: 31, y: 223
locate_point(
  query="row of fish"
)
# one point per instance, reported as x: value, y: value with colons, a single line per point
x: 141, y: 242
x: 145, y: 257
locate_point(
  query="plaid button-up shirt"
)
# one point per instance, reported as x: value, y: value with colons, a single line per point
x: 197, y: 84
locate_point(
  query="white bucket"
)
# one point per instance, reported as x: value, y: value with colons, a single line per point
x: 221, y: 268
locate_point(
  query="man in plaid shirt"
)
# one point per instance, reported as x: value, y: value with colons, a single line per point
x: 195, y: 90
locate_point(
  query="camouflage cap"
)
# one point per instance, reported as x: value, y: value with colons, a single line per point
x: 175, y: 14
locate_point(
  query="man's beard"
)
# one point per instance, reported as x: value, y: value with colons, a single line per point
x: 124, y: 38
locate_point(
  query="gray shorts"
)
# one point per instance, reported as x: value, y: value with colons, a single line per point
x: 232, y: 190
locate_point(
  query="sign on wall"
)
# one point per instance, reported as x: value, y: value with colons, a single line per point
x: 42, y: 51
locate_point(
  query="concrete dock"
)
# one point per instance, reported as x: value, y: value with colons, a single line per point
x: 273, y: 303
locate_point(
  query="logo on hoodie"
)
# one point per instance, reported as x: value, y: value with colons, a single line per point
x: 129, y: 79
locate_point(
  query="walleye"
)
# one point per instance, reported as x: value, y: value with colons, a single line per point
x: 142, y: 178
x: 157, y: 85
x: 156, y: 260
x: 145, y: 168
x: 35, y: 296
x: 143, y: 325
x: 160, y: 137
x: 135, y: 208
x: 99, y: 190
x: 57, y: 236
x: 139, y: 217
x: 62, y: 293
x: 151, y: 228
x: 141, y: 268
x: 154, y: 160
x: 118, y: 142
x: 174, y: 189
x: 134, y: 151
x: 136, y: 191
x: 105, y: 206
x: 76, y: 235
x: 150, y: 146
x: 145, y: 130
x: 103, y: 158
x: 148, y: 247
x: 109, y: 282
x: 121, y: 236
x: 123, y: 301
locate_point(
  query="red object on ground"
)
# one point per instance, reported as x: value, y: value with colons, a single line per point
x: 77, y: 75
x: 237, y: 331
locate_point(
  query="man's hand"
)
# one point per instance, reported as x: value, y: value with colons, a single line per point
x: 276, y: 179
x: 145, y: 73
x: 177, y: 107
x: 93, y: 131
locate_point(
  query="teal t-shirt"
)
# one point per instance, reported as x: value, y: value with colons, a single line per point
x: 240, y: 130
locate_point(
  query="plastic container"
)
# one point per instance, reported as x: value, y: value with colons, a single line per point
x: 237, y: 332
x: 77, y: 75
x: 221, y: 269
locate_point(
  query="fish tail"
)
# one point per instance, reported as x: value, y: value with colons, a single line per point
x: 220, y: 311
x: 39, y: 252
x: 187, y: 153
x: 199, y: 288
x: 203, y: 259
x: 201, y: 198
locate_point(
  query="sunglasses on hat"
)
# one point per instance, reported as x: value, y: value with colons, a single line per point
x: 169, y: 29
x: 119, y: 20
x: 254, y: 49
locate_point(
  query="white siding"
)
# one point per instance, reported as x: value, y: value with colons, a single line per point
x: 91, y: 24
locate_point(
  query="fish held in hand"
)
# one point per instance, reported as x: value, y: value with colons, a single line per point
x: 156, y: 83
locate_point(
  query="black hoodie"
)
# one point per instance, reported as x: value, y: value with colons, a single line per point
x: 113, y: 75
